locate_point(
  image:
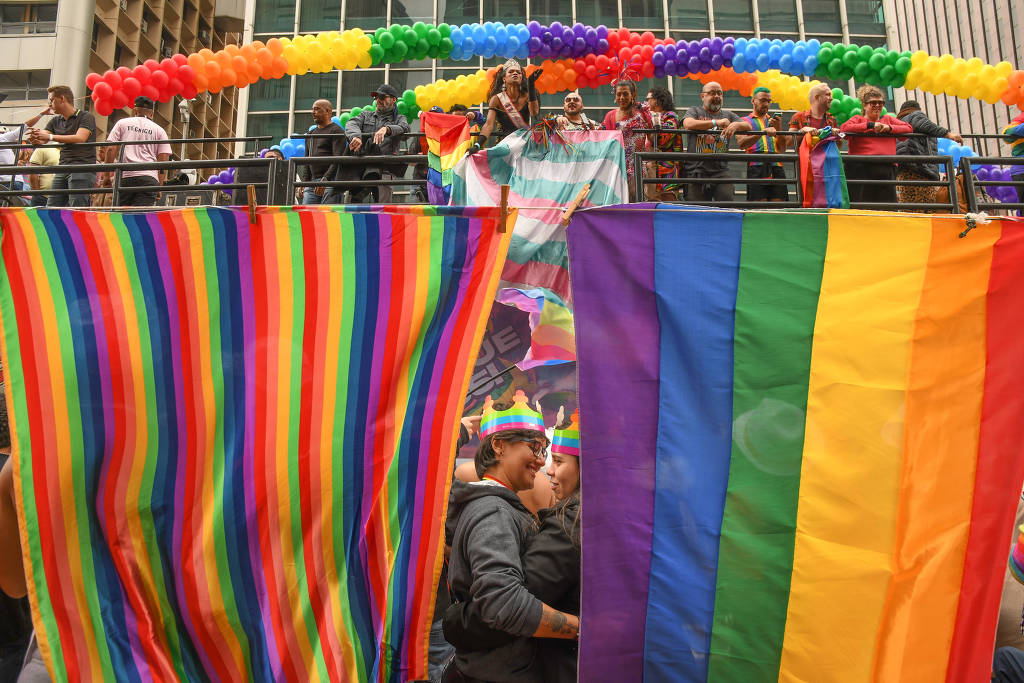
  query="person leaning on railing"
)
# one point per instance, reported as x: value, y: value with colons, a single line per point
x: 70, y: 126
x: 376, y: 132
x: 911, y: 113
x: 872, y: 121
x: 1013, y: 135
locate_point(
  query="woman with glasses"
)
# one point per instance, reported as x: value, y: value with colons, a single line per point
x: 878, y: 138
x: 489, y: 530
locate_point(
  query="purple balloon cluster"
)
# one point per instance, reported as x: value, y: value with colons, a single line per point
x: 696, y: 56
x: 558, y: 41
x: 223, y: 178
x: 1004, y: 193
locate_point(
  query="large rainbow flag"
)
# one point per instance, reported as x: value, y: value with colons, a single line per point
x: 805, y: 434
x: 232, y: 442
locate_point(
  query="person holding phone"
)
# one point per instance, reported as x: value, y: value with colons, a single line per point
x: 765, y: 140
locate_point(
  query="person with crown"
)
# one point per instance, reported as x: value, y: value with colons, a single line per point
x: 489, y: 531
x: 510, y: 106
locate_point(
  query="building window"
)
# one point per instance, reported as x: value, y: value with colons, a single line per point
x: 687, y: 15
x: 865, y: 16
x: 356, y: 86
x: 24, y: 85
x: 321, y: 15
x: 310, y: 88
x: 274, y: 125
x: 458, y: 12
x: 643, y: 14
x: 411, y: 11
x: 548, y: 11
x: 275, y: 16
x: 271, y: 95
x: 821, y: 17
x: 366, y: 14
x: 598, y: 12
x: 777, y: 16
x: 22, y: 18
x: 733, y: 15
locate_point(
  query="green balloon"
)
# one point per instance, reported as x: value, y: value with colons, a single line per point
x: 344, y: 118
x: 903, y: 65
x: 887, y: 74
x: 387, y: 41
x: 824, y: 55
x: 826, y: 46
x: 434, y: 52
x: 444, y: 29
x: 398, y: 31
x: 356, y: 111
x: 835, y: 67
x: 420, y: 28
x: 433, y: 36
x: 877, y: 61
x: 409, y: 97
x: 410, y: 37
x: 899, y: 80
x: 376, y: 54
x: 861, y: 71
x: 400, y: 50
x: 378, y: 33
x: 891, y: 56
x: 836, y: 107
x: 422, y: 46
x: 838, y: 51
x: 838, y: 95
x: 402, y: 108
x: 446, y: 46
x: 864, y: 53
x: 851, y: 58
x: 856, y: 111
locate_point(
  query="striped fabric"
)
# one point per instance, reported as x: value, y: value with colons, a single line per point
x: 764, y: 143
x: 824, y: 448
x: 447, y: 139
x: 232, y: 442
x: 1017, y: 557
x: 552, y: 339
x: 545, y: 179
x: 821, y: 168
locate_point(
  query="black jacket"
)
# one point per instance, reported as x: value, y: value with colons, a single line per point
x: 922, y: 146
x: 324, y: 147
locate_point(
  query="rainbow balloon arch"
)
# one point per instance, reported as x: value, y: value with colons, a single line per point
x: 573, y: 57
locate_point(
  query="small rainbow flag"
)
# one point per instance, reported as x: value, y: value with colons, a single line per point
x: 804, y: 452
x: 552, y: 339
x: 233, y: 442
x: 821, y: 167
x: 447, y: 141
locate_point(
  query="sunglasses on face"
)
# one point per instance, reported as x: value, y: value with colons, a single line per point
x: 382, y: 98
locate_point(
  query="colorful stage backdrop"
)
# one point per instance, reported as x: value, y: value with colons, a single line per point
x: 805, y: 434
x: 232, y: 442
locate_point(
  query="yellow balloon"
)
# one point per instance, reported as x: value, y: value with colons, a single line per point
x: 946, y: 61
x: 975, y: 64
x: 1004, y: 69
x: 365, y: 61
x: 919, y: 58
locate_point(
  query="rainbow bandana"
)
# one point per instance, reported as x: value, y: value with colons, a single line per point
x: 519, y: 416
x: 567, y: 441
x: 1016, y: 555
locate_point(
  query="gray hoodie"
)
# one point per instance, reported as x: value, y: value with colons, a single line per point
x: 488, y: 529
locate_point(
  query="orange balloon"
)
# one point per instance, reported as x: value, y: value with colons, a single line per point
x: 196, y: 61
x: 239, y: 64
x: 1009, y: 97
x: 213, y: 70
x: 248, y: 52
x: 265, y: 57
x: 200, y: 82
x: 1015, y: 79
x: 227, y: 77
x: 232, y: 50
x: 276, y: 46
x: 224, y: 59
x: 254, y: 71
x: 242, y: 81
x: 280, y: 67
x: 207, y: 54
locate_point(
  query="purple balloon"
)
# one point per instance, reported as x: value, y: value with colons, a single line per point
x: 601, y: 47
x: 670, y: 52
x: 716, y: 62
x: 579, y: 46
x: 534, y: 44
x: 658, y: 59
x: 705, y: 68
x: 983, y: 173
x: 212, y: 180
x: 545, y: 51
x: 693, y: 48
x: 705, y: 42
x: 693, y: 64
x: 670, y: 67
x: 224, y: 176
x: 579, y: 29
x: 716, y: 45
x: 602, y: 32
x: 556, y: 28
x: 535, y: 29
x: 547, y: 37
x: 591, y: 37
x: 556, y: 44
x: 728, y: 51
x: 705, y: 54
x: 567, y: 35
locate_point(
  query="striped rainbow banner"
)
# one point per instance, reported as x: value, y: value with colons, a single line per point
x: 447, y: 137
x: 806, y: 434
x: 232, y: 441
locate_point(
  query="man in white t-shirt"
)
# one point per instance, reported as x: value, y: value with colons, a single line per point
x: 135, y: 128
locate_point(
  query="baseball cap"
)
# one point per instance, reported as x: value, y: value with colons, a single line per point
x: 385, y: 89
x: 143, y: 102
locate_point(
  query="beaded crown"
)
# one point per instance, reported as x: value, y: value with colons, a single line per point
x: 519, y: 416
x: 567, y: 441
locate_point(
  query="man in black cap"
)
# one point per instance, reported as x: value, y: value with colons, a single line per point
x: 911, y: 113
x: 376, y: 132
x: 139, y: 128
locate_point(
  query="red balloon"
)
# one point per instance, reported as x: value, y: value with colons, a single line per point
x: 625, y: 53
x: 175, y: 86
x: 646, y: 52
x: 169, y: 67
x: 124, y: 72
x: 159, y: 79
x: 624, y: 34
x: 582, y: 81
x: 589, y: 59
x: 579, y: 66
x: 151, y: 64
x: 142, y: 74
x: 164, y: 95
x: 181, y: 59
x: 602, y: 62
x: 104, y: 108
x: 590, y: 73
x: 131, y: 87
x: 112, y: 79
x: 647, y: 38
x: 647, y: 70
x: 613, y: 40
x: 189, y: 91
x: 150, y: 92
x: 119, y: 100
x: 102, y: 91
x: 186, y: 74
x: 92, y: 79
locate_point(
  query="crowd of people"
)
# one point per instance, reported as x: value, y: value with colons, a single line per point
x: 648, y: 124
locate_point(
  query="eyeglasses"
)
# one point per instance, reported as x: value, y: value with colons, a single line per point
x: 539, y: 448
x: 875, y: 103
x: 381, y: 98
x: 712, y: 92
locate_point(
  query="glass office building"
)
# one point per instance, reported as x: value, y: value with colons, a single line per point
x: 283, y: 106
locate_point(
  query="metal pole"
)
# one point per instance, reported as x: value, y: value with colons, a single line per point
x: 75, y: 19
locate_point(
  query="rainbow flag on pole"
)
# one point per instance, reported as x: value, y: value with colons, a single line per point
x: 233, y: 442
x: 447, y: 138
x: 821, y: 168
x: 806, y: 452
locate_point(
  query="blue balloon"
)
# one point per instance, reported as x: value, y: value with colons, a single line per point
x: 479, y: 34
x: 512, y: 44
x: 763, y: 62
x: 786, y: 64
x: 753, y: 52
x: 456, y: 36
x: 468, y: 46
x: 740, y: 45
x: 944, y: 145
x: 739, y: 62
x: 787, y: 47
x: 813, y: 45
x: 799, y: 54
x: 810, y: 65
x: 456, y: 52
x: 501, y: 34
x: 524, y: 52
x: 774, y: 52
x: 490, y: 44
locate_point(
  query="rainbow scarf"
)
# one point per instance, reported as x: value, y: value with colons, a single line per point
x: 233, y: 442
x: 447, y: 141
x: 825, y: 442
x: 821, y: 167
